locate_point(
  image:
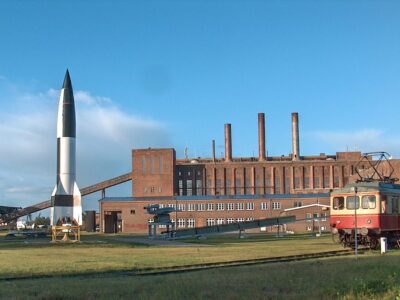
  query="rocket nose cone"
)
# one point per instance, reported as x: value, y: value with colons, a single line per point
x: 67, y: 81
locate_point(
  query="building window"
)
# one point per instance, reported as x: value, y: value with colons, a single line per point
x: 316, y: 216
x: 201, y: 207
x: 190, y: 223
x: 306, y: 183
x: 210, y: 222
x: 191, y: 207
x: 297, y: 204
x: 239, y: 220
x: 220, y: 221
x: 323, y: 216
x: 308, y: 228
x: 150, y: 221
x: 189, y: 173
x: 239, y: 206
x: 180, y: 187
x: 297, y: 183
x: 230, y: 220
x: 238, y: 186
x: 218, y: 187
x: 316, y: 182
x: 152, y: 165
x: 264, y: 205
x: 171, y: 205
x: 230, y: 206
x: 277, y: 184
x: 181, y: 207
x: 210, y: 206
x: 250, y: 206
x: 247, y: 189
x: 336, y: 181
x: 308, y: 216
x: 133, y: 212
x: 228, y: 187
x: 249, y: 219
x: 287, y: 185
x: 199, y: 187
x: 161, y: 205
x: 143, y: 165
x: 220, y: 206
x: 326, y: 181
x: 161, y: 164
x: 181, y: 222
x: 189, y: 187
x: 276, y: 205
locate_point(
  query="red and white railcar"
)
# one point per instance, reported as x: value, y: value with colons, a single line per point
x: 370, y: 209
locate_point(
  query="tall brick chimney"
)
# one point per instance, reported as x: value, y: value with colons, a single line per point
x: 213, y: 150
x: 228, y: 143
x: 295, y: 136
x: 261, y: 137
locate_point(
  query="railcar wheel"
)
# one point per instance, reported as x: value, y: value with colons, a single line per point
x: 373, y: 243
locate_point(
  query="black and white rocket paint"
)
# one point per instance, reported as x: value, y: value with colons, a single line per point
x: 66, y: 198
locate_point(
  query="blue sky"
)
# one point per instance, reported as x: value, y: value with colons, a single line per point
x: 171, y: 73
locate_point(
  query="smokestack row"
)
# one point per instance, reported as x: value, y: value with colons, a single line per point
x: 261, y: 139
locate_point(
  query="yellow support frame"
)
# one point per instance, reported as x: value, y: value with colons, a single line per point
x: 65, y: 232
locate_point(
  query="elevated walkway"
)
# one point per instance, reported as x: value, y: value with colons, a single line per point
x: 101, y: 186
x: 225, y: 228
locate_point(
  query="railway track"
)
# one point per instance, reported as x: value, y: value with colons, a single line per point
x: 188, y: 268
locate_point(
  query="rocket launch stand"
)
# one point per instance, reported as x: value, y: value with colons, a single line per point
x: 62, y: 234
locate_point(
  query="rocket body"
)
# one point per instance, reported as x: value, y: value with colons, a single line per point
x: 66, y: 198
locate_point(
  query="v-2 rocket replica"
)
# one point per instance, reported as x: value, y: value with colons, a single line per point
x: 66, y: 207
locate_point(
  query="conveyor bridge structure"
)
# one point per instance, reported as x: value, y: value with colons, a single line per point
x: 14, y: 214
x: 232, y: 227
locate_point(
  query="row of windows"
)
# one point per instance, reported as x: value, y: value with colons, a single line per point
x: 152, y: 165
x: 221, y: 206
x: 316, y: 217
x: 191, y: 222
x: 260, y: 186
x: 353, y: 202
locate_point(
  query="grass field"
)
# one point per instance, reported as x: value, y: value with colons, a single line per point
x: 371, y: 276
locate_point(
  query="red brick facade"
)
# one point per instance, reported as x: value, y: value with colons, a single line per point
x: 212, y: 191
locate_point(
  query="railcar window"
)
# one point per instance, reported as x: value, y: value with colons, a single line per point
x: 338, y: 203
x: 395, y: 205
x: 368, y: 201
x: 353, y: 202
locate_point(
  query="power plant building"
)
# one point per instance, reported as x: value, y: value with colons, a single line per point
x: 212, y: 191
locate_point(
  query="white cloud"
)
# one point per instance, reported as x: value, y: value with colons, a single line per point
x: 105, y: 136
x: 364, y: 140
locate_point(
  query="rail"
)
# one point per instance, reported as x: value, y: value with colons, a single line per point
x: 187, y: 268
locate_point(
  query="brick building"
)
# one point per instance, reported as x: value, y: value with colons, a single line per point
x: 210, y: 191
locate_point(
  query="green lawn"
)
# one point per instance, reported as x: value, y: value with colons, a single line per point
x: 99, y: 253
x: 371, y: 276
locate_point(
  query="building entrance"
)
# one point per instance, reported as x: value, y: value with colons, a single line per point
x: 112, y: 222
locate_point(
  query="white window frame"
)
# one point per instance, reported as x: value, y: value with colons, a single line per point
x: 240, y: 206
x: 250, y: 206
x: 276, y: 205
